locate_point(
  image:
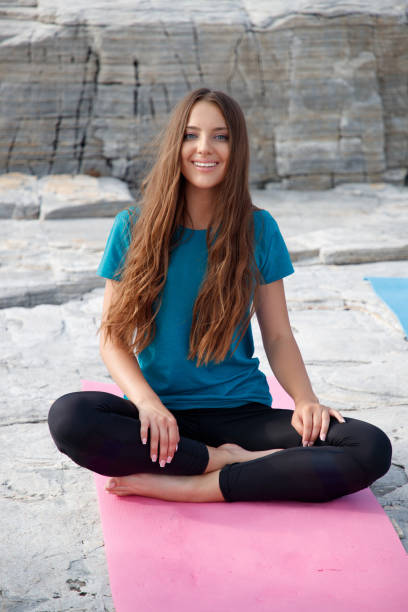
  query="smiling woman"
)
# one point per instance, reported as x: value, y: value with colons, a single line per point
x: 186, y: 269
x: 204, y: 159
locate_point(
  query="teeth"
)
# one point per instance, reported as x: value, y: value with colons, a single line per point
x: 205, y: 165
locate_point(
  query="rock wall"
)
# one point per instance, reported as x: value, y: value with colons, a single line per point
x: 85, y: 86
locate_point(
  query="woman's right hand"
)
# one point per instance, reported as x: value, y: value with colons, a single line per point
x: 163, y: 430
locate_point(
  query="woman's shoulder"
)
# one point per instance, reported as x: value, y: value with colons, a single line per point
x: 271, y: 252
x: 125, y: 220
x: 264, y: 221
x: 128, y: 216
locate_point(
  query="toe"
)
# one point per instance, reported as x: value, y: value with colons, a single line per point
x: 111, y: 484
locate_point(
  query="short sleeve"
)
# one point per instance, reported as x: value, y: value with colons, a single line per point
x: 117, y: 245
x: 271, y: 253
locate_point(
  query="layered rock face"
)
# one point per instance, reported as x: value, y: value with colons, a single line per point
x: 84, y: 87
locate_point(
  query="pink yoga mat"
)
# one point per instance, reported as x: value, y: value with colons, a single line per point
x: 166, y: 556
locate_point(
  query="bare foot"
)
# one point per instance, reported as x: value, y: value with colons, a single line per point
x: 174, y: 488
x: 239, y: 454
x: 179, y: 488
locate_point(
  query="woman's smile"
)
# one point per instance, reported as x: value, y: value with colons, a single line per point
x: 205, y: 166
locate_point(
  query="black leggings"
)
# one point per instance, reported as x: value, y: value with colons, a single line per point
x: 101, y: 432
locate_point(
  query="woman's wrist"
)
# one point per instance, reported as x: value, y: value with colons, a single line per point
x: 142, y: 401
x: 306, y: 399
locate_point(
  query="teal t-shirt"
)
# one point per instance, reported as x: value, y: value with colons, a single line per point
x: 179, y: 383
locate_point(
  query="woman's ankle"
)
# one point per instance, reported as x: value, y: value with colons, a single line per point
x: 218, y: 458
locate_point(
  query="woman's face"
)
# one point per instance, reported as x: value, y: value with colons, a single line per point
x: 205, y: 149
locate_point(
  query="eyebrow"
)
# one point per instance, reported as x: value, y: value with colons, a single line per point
x: 193, y: 127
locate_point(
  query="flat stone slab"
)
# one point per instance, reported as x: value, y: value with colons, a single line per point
x: 353, y: 223
x: 68, y: 196
x: 50, y: 261
x: 53, y: 260
x: 62, y: 196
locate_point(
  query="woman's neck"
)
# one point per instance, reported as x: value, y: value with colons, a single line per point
x: 199, y: 207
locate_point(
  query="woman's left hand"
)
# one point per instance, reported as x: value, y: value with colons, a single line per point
x: 312, y: 419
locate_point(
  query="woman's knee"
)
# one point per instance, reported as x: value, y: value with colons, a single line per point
x: 66, y: 419
x: 372, y: 449
x: 382, y: 453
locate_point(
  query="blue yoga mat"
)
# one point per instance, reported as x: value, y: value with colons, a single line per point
x: 394, y: 292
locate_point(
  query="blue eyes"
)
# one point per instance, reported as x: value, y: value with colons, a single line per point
x: 191, y: 136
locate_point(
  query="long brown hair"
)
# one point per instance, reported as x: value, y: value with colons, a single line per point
x: 224, y: 302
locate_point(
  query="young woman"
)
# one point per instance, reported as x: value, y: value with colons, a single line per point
x: 185, y: 271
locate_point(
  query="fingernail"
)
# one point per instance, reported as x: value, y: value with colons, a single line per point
x: 323, y: 437
x: 343, y: 421
x: 144, y: 440
x: 176, y: 446
x: 310, y: 444
x: 154, y: 457
x: 169, y: 459
x: 110, y: 485
x: 162, y: 463
x: 306, y: 442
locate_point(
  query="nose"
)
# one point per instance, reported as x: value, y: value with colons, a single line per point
x: 203, y: 143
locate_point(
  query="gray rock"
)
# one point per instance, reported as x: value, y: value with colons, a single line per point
x: 392, y: 492
x: 395, y: 176
x: 394, y: 478
x: 85, y: 87
x: 23, y: 196
x: 18, y: 196
x: 360, y: 253
x: 66, y: 196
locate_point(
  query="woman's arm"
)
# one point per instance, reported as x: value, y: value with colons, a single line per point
x: 126, y: 372
x: 122, y: 365
x: 310, y: 418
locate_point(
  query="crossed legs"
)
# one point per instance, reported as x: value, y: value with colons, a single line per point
x: 249, y: 453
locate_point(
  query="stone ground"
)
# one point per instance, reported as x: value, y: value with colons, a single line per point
x: 51, y: 552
